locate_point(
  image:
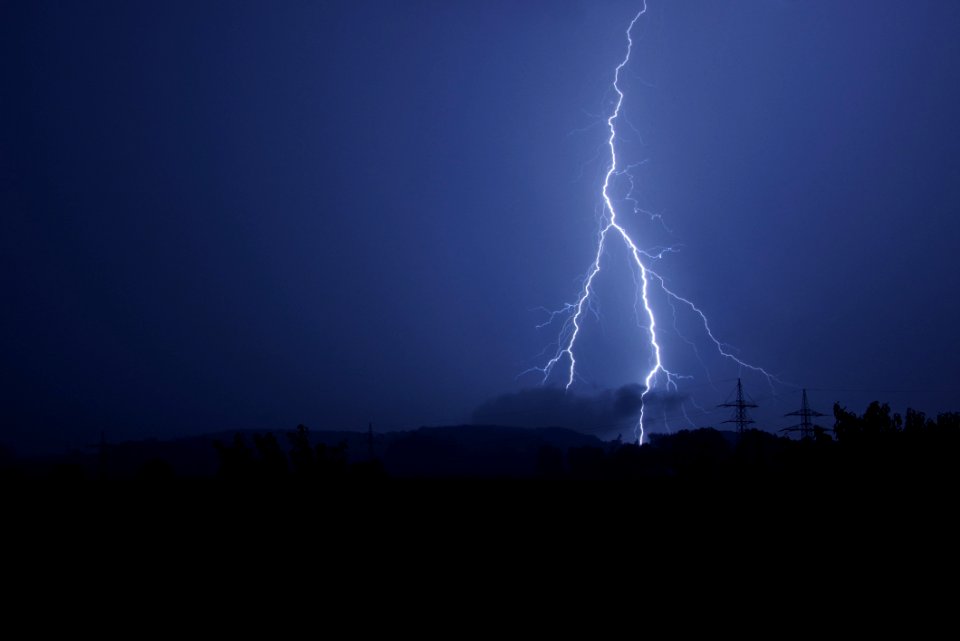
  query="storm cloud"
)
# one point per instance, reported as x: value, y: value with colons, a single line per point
x: 605, y: 411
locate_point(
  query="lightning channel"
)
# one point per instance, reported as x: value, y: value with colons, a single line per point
x: 645, y: 276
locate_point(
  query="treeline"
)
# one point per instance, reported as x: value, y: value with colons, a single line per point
x: 266, y: 461
x: 877, y: 444
x: 877, y: 425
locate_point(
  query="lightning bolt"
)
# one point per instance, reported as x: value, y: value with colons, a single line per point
x: 611, y: 227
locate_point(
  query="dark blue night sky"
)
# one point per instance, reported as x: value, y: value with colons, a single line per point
x: 251, y: 215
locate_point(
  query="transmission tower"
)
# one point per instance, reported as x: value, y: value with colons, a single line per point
x: 805, y: 426
x: 740, y: 415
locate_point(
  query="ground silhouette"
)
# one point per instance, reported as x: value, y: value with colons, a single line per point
x: 877, y: 444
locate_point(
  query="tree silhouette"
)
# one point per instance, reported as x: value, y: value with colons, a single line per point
x: 272, y: 463
x: 236, y: 460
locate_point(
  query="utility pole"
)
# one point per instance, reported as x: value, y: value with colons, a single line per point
x: 740, y: 405
x: 805, y: 426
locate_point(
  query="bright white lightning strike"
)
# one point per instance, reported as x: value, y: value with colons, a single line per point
x: 611, y: 226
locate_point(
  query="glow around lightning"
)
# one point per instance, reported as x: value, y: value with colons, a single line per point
x: 612, y: 228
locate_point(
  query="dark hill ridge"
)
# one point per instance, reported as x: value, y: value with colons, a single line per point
x: 461, y: 450
x: 477, y: 450
x: 874, y: 446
